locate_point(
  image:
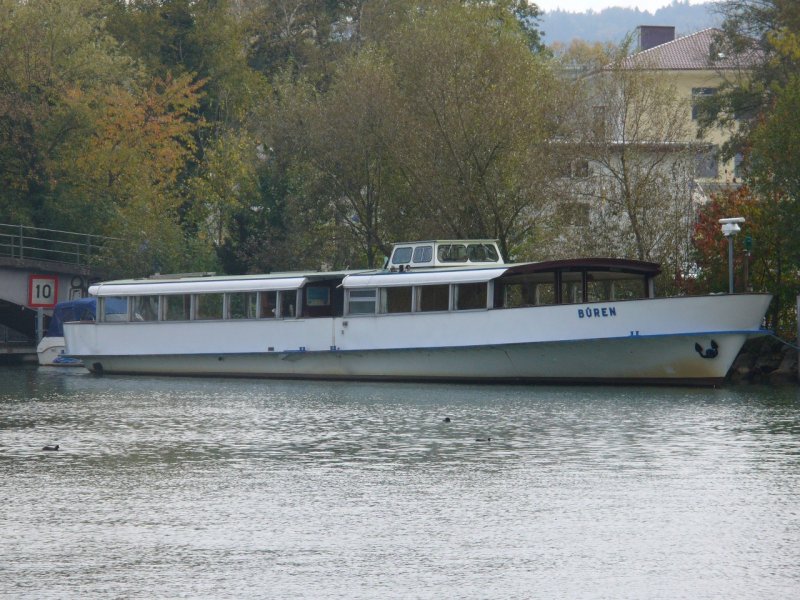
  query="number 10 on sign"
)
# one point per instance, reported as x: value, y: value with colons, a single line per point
x: 42, y: 291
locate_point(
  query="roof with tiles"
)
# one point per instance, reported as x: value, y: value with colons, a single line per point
x: 693, y: 52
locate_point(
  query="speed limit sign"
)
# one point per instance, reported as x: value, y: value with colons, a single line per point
x: 42, y: 291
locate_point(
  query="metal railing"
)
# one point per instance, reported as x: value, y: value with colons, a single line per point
x: 52, y: 245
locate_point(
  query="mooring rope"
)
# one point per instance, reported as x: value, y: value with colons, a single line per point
x: 782, y: 341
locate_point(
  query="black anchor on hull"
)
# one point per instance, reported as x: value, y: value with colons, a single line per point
x: 710, y: 352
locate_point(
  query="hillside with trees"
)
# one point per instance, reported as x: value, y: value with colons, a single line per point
x: 614, y: 23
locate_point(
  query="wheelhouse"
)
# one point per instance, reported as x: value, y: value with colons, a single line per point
x: 444, y: 253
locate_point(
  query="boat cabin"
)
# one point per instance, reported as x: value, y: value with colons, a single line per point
x: 443, y: 253
x: 478, y: 280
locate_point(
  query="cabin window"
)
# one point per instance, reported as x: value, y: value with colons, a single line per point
x: 242, y: 305
x: 177, y: 308
x: 482, y: 253
x: 268, y: 305
x: 452, y: 253
x: 288, y: 303
x: 209, y: 306
x: 145, y: 308
x: 423, y: 254
x: 519, y: 294
x: 433, y: 297
x: 361, y: 302
x: 318, y: 296
x: 396, y: 300
x: 470, y: 296
x: 401, y: 256
x: 598, y: 290
x: 571, y: 288
x: 114, y: 308
x: 629, y: 289
x: 544, y: 293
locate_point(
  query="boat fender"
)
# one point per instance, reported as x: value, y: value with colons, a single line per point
x: 710, y: 352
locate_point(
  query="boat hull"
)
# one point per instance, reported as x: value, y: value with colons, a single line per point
x: 51, y: 353
x: 658, y: 359
x: 674, y: 340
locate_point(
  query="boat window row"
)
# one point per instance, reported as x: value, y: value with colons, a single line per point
x: 200, y: 307
x: 331, y: 299
x: 420, y: 298
x: 445, y: 253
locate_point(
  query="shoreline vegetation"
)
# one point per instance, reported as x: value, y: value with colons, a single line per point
x: 234, y: 137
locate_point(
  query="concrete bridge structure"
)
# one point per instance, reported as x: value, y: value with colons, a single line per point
x: 39, y: 268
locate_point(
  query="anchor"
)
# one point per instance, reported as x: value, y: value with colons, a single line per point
x: 708, y: 353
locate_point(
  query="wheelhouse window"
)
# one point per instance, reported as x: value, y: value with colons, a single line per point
x: 402, y: 256
x: 452, y: 253
x: 177, y: 307
x: 145, y: 308
x: 396, y: 299
x: 114, y: 309
x: 470, y: 296
x: 209, y: 306
x: 361, y: 302
x: 432, y: 298
x: 242, y: 305
x: 423, y: 254
x: 482, y: 253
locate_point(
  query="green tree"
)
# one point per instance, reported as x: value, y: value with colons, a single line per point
x: 481, y: 107
x: 50, y: 50
x: 635, y: 135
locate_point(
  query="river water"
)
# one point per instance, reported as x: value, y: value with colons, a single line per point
x: 207, y: 488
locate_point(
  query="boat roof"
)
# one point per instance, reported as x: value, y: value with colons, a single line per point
x: 210, y: 283
x: 636, y: 267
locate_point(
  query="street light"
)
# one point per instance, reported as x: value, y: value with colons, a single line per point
x: 730, y: 227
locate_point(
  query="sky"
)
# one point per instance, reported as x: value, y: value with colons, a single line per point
x: 598, y: 5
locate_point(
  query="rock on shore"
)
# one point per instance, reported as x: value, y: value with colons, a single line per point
x: 765, y: 360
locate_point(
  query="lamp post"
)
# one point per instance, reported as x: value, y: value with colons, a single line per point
x: 730, y: 227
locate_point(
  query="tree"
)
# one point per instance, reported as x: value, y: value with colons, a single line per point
x: 121, y: 177
x: 635, y: 134
x: 480, y: 107
x: 764, y: 107
x: 50, y: 50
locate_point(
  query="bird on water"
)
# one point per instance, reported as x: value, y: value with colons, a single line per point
x: 51, y: 447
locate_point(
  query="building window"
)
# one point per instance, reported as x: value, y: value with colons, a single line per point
x: 706, y: 164
x: 738, y: 165
x: 699, y: 98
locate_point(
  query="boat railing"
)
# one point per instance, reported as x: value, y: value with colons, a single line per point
x: 25, y: 242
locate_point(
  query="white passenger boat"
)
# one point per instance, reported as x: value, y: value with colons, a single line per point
x: 439, y: 310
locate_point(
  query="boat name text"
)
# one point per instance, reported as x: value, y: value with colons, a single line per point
x: 594, y: 313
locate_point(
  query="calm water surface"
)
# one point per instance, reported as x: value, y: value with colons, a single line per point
x: 200, y: 488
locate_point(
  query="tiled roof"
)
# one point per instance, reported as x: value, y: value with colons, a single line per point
x: 690, y: 53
